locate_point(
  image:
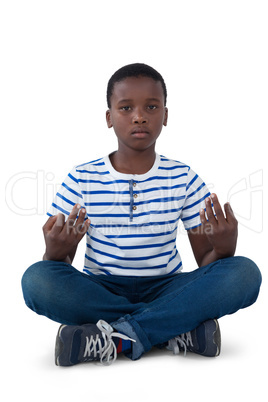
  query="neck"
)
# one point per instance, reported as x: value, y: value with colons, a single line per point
x: 133, y: 162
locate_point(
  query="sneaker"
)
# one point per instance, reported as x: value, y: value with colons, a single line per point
x: 204, y: 340
x: 85, y: 343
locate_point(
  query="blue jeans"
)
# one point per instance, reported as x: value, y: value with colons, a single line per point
x: 152, y: 310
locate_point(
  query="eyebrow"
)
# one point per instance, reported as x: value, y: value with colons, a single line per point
x: 147, y: 100
x: 125, y: 100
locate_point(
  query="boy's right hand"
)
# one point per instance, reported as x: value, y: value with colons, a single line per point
x: 62, y: 237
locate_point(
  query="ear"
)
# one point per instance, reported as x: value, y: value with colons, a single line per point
x: 165, y: 117
x: 109, y: 119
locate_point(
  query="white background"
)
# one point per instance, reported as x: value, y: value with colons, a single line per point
x: 56, y: 59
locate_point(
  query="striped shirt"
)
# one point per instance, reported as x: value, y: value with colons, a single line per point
x: 134, y: 218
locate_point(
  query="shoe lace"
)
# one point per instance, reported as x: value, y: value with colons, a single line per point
x: 180, y: 342
x: 103, y: 346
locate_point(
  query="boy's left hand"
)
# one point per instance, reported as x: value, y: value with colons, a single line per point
x: 221, y: 231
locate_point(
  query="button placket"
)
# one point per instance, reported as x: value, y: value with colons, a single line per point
x: 133, y: 196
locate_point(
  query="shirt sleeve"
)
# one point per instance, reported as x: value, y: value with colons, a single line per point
x: 196, y: 193
x: 67, y: 196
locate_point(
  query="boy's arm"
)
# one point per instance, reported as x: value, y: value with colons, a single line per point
x: 217, y: 236
x: 62, y: 237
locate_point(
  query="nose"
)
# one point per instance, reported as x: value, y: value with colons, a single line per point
x: 139, y: 118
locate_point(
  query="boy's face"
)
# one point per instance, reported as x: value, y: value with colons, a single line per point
x: 137, y: 112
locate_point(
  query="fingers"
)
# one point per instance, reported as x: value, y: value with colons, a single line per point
x: 59, y: 224
x: 54, y: 223
x: 73, y: 214
x: 230, y: 217
x: 211, y: 218
x: 49, y: 223
x: 76, y: 221
x: 203, y: 218
x: 208, y: 217
x: 217, y: 208
x: 209, y: 210
x: 81, y: 226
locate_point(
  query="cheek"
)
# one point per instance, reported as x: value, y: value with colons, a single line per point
x: 161, y: 122
x: 118, y: 125
x: 122, y: 121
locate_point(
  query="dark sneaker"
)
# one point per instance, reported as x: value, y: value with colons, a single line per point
x: 85, y: 343
x: 204, y: 340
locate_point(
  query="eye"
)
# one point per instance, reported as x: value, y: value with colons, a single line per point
x: 125, y: 108
x: 152, y: 107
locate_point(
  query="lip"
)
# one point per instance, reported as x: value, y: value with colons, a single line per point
x: 140, y: 132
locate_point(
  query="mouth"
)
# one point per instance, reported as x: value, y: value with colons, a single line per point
x: 140, y: 132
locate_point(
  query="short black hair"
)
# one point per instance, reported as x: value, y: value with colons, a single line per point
x: 134, y: 70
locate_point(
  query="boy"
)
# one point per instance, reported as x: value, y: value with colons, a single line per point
x: 132, y: 295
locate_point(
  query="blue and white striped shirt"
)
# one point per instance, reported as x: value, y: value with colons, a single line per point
x: 134, y: 218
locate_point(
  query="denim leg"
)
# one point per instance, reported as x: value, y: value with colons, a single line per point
x: 60, y: 292
x: 213, y: 291
x: 178, y: 303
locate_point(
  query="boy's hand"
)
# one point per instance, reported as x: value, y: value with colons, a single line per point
x: 221, y: 231
x: 62, y: 237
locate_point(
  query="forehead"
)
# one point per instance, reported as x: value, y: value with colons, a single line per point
x: 137, y: 88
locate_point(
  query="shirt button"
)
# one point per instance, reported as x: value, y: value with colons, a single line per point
x: 135, y: 195
x: 134, y: 208
x: 134, y: 184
